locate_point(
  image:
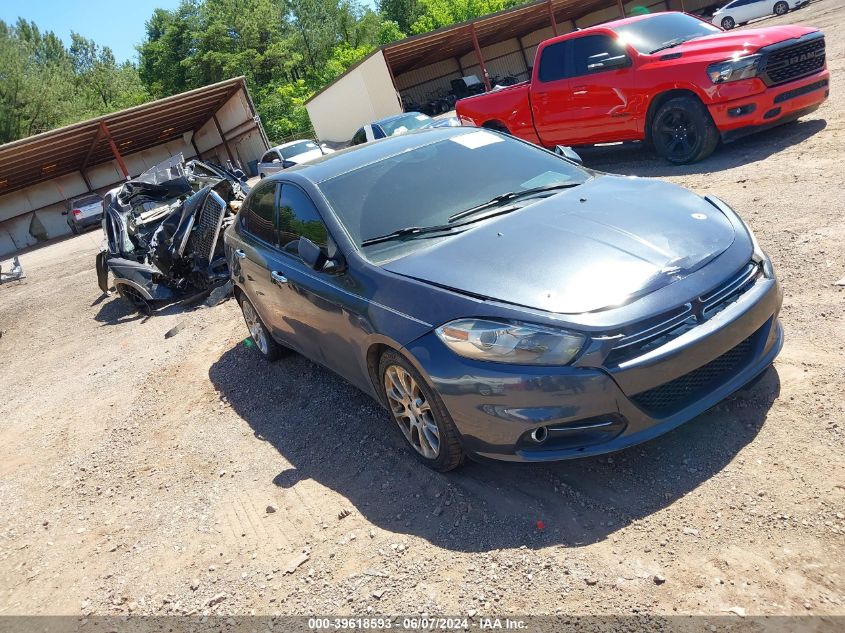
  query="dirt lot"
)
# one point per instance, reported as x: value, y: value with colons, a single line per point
x: 137, y: 470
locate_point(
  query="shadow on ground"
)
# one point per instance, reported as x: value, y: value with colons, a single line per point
x: 334, y: 434
x: 636, y: 159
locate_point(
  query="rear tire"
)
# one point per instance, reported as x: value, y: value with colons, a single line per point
x: 683, y: 132
x: 419, y: 414
x: 728, y: 23
x: 259, y: 334
x: 781, y: 8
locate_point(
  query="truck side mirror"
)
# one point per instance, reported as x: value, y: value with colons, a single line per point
x: 564, y: 151
x: 608, y: 63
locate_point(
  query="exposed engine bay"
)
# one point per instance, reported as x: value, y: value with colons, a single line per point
x: 164, y: 232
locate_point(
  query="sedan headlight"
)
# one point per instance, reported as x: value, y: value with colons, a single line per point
x: 510, y: 342
x: 734, y: 69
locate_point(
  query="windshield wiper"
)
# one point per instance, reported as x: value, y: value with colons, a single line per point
x: 408, y: 231
x: 508, y: 197
x: 673, y: 43
x: 414, y: 231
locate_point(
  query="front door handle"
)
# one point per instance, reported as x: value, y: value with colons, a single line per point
x: 240, y: 254
x: 579, y: 90
x: 278, y: 277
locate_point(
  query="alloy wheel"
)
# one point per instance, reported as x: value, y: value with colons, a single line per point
x: 728, y: 23
x: 412, y: 411
x: 256, y: 328
x: 781, y: 8
x: 678, y: 134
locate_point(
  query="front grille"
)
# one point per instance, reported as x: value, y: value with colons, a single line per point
x: 647, y: 336
x: 792, y: 62
x: 204, y: 236
x: 675, y: 394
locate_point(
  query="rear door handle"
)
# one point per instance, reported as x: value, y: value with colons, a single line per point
x: 240, y: 254
x: 278, y: 277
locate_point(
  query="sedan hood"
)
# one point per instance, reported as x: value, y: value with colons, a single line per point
x: 596, y: 246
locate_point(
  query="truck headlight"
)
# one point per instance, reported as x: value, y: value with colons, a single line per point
x: 510, y: 342
x: 734, y: 69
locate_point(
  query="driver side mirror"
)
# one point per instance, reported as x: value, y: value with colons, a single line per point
x: 569, y: 154
x: 312, y: 254
x: 608, y: 63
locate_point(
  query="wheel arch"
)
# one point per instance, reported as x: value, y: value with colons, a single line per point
x: 662, y: 97
x: 496, y: 124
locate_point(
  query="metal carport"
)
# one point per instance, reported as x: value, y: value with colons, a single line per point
x: 40, y: 173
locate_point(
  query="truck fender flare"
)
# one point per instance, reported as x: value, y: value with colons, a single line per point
x: 662, y: 97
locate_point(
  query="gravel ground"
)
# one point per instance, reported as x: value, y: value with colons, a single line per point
x: 148, y: 474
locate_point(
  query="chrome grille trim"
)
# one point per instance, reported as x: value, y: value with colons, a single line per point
x: 686, y: 317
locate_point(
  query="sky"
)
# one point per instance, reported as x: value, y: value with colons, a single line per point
x: 118, y: 24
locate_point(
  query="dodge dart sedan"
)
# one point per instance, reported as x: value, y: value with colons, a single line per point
x: 500, y: 300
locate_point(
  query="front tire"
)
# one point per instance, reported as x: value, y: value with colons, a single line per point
x: 728, y: 23
x: 683, y: 132
x: 420, y: 414
x: 781, y: 8
x: 259, y: 333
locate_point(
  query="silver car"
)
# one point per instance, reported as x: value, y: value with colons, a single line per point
x: 84, y: 211
x: 742, y: 11
x: 289, y: 154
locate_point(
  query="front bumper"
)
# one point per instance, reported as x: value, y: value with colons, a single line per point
x: 589, y: 411
x: 774, y: 106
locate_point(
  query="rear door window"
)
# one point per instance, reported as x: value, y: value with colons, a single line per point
x: 298, y: 217
x: 259, y: 216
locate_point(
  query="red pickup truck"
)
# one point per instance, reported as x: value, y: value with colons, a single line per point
x: 669, y: 78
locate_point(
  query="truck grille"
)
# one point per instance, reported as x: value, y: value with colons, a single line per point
x: 648, y: 336
x: 675, y: 394
x: 794, y: 61
x: 204, y: 236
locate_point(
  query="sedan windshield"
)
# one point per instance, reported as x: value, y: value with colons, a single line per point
x: 433, y: 183
x: 664, y: 30
x: 298, y: 148
x: 403, y: 124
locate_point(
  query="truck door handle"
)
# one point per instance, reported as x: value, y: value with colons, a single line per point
x: 240, y: 254
x: 579, y: 90
x: 278, y: 277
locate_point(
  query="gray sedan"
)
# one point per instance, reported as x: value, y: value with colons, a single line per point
x: 502, y: 301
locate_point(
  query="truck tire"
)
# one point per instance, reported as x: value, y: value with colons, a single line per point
x: 683, y: 132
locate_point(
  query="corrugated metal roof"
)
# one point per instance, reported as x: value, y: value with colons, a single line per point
x: 65, y: 150
x: 456, y: 40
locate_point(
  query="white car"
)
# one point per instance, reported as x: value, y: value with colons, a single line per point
x: 289, y: 154
x: 741, y: 11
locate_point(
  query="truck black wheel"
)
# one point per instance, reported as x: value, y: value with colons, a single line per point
x: 683, y: 132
